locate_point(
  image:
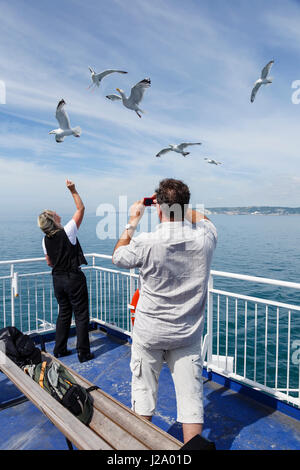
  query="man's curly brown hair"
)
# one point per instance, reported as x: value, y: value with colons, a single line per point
x: 174, y: 193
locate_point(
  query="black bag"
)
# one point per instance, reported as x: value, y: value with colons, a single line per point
x: 18, y: 347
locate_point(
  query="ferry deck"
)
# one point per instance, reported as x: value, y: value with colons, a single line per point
x: 242, y: 411
x: 233, y: 420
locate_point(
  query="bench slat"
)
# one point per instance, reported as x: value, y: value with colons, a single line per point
x: 111, y: 432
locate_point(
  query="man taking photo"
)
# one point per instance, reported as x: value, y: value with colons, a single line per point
x: 174, y: 263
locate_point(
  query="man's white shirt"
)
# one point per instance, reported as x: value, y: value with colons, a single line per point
x: 174, y: 264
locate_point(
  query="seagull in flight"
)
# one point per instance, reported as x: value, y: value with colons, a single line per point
x: 263, y: 80
x: 136, y: 96
x: 212, y: 162
x: 64, y: 124
x: 177, y: 148
x: 97, y: 77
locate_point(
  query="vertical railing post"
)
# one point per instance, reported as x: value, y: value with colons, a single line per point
x: 210, y: 320
x: 91, y: 286
x: 299, y: 384
x: 132, y: 283
x: 12, y: 295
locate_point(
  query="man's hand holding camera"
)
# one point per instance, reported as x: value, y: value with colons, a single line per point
x: 136, y: 212
x: 138, y: 208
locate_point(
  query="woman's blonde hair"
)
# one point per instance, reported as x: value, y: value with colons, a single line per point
x: 47, y: 223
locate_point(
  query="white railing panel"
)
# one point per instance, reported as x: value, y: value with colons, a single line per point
x: 256, y: 334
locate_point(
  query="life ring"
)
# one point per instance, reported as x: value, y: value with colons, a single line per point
x: 133, y: 304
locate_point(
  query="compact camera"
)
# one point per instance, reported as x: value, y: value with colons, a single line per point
x: 148, y: 201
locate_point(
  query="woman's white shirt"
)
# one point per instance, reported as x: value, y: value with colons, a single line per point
x: 71, y: 230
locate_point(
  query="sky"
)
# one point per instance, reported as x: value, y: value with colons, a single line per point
x: 202, y: 56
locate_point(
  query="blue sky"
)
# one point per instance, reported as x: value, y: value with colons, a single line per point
x: 202, y: 57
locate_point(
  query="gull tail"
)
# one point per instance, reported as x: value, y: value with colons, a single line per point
x: 138, y: 111
x: 113, y: 97
x: 186, y: 153
x: 77, y: 131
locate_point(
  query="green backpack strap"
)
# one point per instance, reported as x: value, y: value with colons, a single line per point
x: 42, y: 374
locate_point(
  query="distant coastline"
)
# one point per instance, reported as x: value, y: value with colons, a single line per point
x: 253, y: 210
x: 247, y: 210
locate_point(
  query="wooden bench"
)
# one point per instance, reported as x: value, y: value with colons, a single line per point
x: 113, y: 426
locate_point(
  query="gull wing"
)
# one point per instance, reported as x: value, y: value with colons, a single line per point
x: 103, y: 74
x: 186, y: 144
x: 138, y: 90
x: 254, y: 91
x: 163, y: 151
x: 62, y: 117
x: 265, y: 71
x: 113, y: 97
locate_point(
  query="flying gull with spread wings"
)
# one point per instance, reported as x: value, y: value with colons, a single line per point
x: 263, y: 80
x: 177, y: 148
x: 136, y: 96
x: 212, y: 162
x: 97, y: 77
x: 65, y: 128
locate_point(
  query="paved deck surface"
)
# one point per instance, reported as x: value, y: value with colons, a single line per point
x: 232, y: 421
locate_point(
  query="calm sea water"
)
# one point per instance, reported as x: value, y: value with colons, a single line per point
x: 265, y: 246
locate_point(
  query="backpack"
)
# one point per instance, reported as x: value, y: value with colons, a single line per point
x: 18, y: 347
x: 57, y: 380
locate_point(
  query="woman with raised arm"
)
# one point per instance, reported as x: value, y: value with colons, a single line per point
x: 64, y: 254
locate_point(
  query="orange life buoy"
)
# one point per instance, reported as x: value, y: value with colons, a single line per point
x: 133, y: 303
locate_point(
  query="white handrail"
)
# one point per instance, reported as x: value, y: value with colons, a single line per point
x: 31, y: 260
x: 25, y: 260
x: 255, y: 299
x: 261, y: 280
x: 231, y: 275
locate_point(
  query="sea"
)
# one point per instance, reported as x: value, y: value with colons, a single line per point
x: 256, y: 245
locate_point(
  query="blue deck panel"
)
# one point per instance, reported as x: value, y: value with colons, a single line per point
x: 232, y: 420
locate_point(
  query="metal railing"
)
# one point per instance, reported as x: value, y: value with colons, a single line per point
x: 27, y: 299
x: 254, y: 339
x: 247, y: 337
